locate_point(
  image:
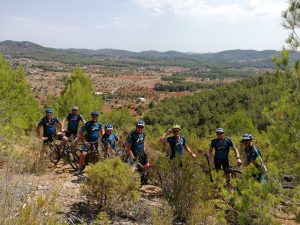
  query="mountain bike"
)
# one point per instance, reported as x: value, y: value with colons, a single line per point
x: 143, y: 170
x: 234, y: 171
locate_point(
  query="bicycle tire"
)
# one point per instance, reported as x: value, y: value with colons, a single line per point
x: 95, y: 154
x: 74, y: 158
x: 53, y: 153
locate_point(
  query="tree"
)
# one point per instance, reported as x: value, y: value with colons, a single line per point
x: 291, y: 22
x: 79, y: 92
x: 19, y: 110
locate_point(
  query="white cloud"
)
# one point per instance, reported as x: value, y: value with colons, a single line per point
x: 217, y: 10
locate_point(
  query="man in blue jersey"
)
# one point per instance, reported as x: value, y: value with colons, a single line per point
x: 109, y: 140
x: 73, y: 120
x: 176, y: 141
x: 222, y: 146
x: 49, y: 122
x: 136, y: 144
x: 252, y: 154
x: 90, y: 132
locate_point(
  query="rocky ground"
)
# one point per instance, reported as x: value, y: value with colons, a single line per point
x: 74, y: 208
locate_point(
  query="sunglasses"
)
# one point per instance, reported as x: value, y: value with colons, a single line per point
x: 219, y: 133
x: 243, y: 141
x: 175, y: 131
x: 140, y: 127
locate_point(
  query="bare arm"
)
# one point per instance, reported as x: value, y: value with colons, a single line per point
x: 237, y: 155
x: 187, y: 148
x: 63, y: 123
x: 38, y: 131
x: 129, y: 151
x: 61, y: 126
x: 210, y: 156
x: 164, y: 136
x: 236, y: 152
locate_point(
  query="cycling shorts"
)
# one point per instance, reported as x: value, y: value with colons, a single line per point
x: 224, y: 163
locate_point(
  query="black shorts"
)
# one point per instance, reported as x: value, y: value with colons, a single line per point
x: 70, y: 133
x: 142, y: 157
x: 221, y: 162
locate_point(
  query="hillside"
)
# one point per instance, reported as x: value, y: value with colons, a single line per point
x: 230, y: 58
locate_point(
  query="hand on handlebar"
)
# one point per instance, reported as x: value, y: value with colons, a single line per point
x: 44, y: 138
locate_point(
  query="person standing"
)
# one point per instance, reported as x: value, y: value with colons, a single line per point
x: 176, y: 141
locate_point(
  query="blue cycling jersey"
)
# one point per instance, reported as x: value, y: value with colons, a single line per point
x: 137, y: 142
x: 49, y: 128
x: 92, y: 130
x: 221, y: 147
x: 176, y: 145
x: 109, y: 140
x: 251, y: 154
x: 73, y: 122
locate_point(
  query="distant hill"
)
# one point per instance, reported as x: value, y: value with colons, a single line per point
x: 229, y: 58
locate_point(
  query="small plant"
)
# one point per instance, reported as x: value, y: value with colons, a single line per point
x: 111, y: 184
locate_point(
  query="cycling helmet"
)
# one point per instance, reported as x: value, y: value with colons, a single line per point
x: 247, y: 136
x: 176, y: 126
x: 75, y: 107
x: 95, y: 113
x: 108, y: 127
x: 49, y: 110
x: 140, y: 123
x: 220, y: 130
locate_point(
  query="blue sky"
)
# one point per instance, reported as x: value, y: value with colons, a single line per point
x: 137, y: 25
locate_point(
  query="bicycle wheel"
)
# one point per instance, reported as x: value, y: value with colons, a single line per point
x: 95, y: 155
x: 53, y: 153
x: 74, y: 158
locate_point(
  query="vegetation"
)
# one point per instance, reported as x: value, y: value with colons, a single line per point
x: 183, y: 86
x: 111, y: 185
x: 19, y: 111
x: 79, y: 92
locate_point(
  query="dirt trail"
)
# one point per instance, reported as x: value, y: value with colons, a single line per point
x: 60, y: 179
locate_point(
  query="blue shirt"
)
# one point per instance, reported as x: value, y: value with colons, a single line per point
x: 222, y: 148
x: 92, y: 130
x: 137, y: 142
x: 73, y: 121
x: 251, y: 154
x: 176, y: 146
x: 109, y: 140
x: 49, y: 127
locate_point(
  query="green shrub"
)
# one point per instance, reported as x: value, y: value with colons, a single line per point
x: 184, y: 186
x: 111, y: 184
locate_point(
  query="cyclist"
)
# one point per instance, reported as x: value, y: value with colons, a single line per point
x: 177, y: 142
x: 73, y: 120
x: 90, y: 132
x: 49, y: 122
x: 109, y: 140
x: 222, y: 146
x: 136, y: 145
x: 253, y: 153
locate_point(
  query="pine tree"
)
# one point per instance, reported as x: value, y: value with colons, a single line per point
x: 79, y: 92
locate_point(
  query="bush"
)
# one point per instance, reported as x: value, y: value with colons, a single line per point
x: 185, y: 188
x: 111, y: 184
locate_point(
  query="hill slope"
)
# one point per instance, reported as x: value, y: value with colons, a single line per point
x: 230, y: 58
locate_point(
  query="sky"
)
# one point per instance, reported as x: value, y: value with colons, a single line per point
x: 138, y: 25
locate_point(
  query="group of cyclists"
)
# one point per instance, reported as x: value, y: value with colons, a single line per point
x: 92, y: 130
